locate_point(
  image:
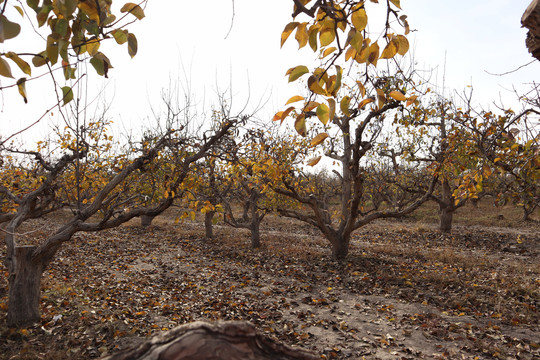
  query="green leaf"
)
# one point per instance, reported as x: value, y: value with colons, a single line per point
x: 132, y: 45
x: 5, y: 70
x: 52, y: 50
x: 39, y: 60
x: 121, y: 36
x: 339, y: 75
x: 344, y: 105
x: 61, y: 27
x: 67, y: 94
x: 8, y: 29
x: 134, y: 9
x: 101, y: 63
x: 313, y: 31
x: 33, y: 4
x: 67, y: 8
x: 297, y: 72
x: 323, y: 113
x: 109, y: 20
x: 23, y: 65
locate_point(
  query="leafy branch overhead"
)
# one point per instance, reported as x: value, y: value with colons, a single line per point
x: 338, y: 32
x: 73, y: 30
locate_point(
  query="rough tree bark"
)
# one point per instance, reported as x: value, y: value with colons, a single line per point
x: 235, y: 340
x: 24, y: 288
x: 208, y: 224
x: 531, y: 20
x: 146, y: 220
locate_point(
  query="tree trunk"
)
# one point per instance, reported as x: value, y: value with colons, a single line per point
x: 208, y: 225
x: 340, y: 247
x: 146, y: 220
x: 245, y: 212
x: 446, y: 215
x: 232, y: 340
x: 255, y: 232
x: 446, y: 207
x: 24, y: 288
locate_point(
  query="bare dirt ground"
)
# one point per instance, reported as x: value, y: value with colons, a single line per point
x: 405, y: 292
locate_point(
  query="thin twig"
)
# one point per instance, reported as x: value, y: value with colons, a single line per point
x: 232, y: 21
x: 511, y: 71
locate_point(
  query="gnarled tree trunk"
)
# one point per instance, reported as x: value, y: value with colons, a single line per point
x: 24, y: 288
x: 234, y: 340
x: 531, y: 20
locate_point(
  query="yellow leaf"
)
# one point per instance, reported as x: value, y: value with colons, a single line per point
x: 328, y: 51
x: 286, y: 113
x: 22, y: 88
x: 318, y: 139
x: 403, y: 44
x: 313, y: 31
x: 365, y: 102
x: 314, y: 161
x: 287, y: 31
x: 362, y: 88
x: 310, y: 106
x: 327, y: 36
x: 134, y: 9
x: 357, y: 41
x: 359, y: 18
x: 350, y: 53
x: 23, y: 65
x: 397, y: 95
x: 89, y: 8
x: 297, y: 72
x: 323, y: 113
x: 5, y: 70
x: 294, y: 99
x: 373, y: 54
x: 314, y: 86
x: 300, y: 125
x: 332, y: 108
x: 278, y: 116
x: 390, y: 50
x: 396, y: 2
x: 411, y: 100
x: 344, y: 105
x: 92, y: 47
x: 302, y: 35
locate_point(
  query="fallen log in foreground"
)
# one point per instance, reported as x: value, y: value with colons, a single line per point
x: 225, y: 340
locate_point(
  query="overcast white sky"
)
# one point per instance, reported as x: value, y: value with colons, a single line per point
x: 476, y: 37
